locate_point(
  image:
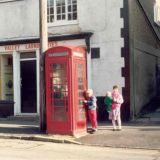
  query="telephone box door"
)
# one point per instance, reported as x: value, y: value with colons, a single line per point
x: 80, y: 87
x: 57, y: 102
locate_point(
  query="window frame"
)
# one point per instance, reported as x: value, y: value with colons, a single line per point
x: 62, y: 22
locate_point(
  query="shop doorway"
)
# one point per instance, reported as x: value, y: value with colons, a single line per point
x: 28, y: 86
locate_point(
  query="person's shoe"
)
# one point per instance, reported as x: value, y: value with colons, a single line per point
x: 119, y: 129
x: 94, y: 129
x: 114, y: 130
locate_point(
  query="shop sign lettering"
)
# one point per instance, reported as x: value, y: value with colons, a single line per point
x: 28, y: 46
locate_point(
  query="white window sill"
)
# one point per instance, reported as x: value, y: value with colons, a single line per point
x: 62, y: 23
x: 6, y: 1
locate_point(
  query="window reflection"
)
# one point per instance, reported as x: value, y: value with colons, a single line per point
x: 59, y: 91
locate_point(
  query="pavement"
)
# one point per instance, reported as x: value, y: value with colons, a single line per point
x: 142, y: 133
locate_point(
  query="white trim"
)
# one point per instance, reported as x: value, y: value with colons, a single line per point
x: 27, y: 114
x: 6, y: 1
x: 63, y: 23
x: 28, y: 59
x: 16, y: 82
x: 38, y: 81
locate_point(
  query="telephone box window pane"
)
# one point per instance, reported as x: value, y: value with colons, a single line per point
x: 59, y: 114
x: 80, y: 94
x: 80, y: 87
x: 59, y: 103
x: 58, y: 66
x: 59, y: 73
x: 56, y: 81
x: 80, y: 79
x: 59, y: 91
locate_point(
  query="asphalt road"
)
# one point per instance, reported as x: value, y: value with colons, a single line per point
x: 30, y: 150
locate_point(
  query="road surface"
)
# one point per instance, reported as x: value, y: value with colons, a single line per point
x: 31, y: 150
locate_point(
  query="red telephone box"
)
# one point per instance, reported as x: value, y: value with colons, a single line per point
x: 65, y: 69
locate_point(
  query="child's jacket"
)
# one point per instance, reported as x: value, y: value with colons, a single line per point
x: 108, y: 102
x: 117, y: 100
x: 91, y: 103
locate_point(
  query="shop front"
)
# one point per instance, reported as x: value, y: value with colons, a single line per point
x: 19, y: 75
x: 19, y: 79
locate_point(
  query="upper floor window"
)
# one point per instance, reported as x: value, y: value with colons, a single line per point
x: 157, y: 12
x: 60, y: 11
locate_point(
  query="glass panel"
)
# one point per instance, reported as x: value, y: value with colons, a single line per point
x: 63, y: 2
x: 80, y: 88
x: 59, y: 114
x: 51, y: 10
x: 59, y: 91
x: 74, y: 8
x: 63, y: 16
x: 60, y: 88
x: 62, y: 12
x: 51, y: 2
x: 6, y: 77
x: 57, y: 80
x: 58, y: 2
x: 69, y: 1
x: 58, y: 66
x: 63, y: 9
x: 58, y: 10
x: 69, y: 8
x: 74, y: 1
x: 74, y: 16
x: 59, y: 73
x: 27, y: 55
x: 69, y: 17
x: 52, y: 18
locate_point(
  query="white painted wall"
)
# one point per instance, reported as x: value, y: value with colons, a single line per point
x: 102, y: 17
x: 19, y: 19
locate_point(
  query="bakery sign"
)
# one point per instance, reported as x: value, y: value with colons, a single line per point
x: 23, y: 47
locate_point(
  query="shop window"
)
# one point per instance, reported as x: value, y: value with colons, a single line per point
x: 6, y: 77
x: 61, y: 11
x: 95, y: 53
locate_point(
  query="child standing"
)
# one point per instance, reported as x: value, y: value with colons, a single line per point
x: 116, y: 106
x: 108, y: 104
x: 91, y: 106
